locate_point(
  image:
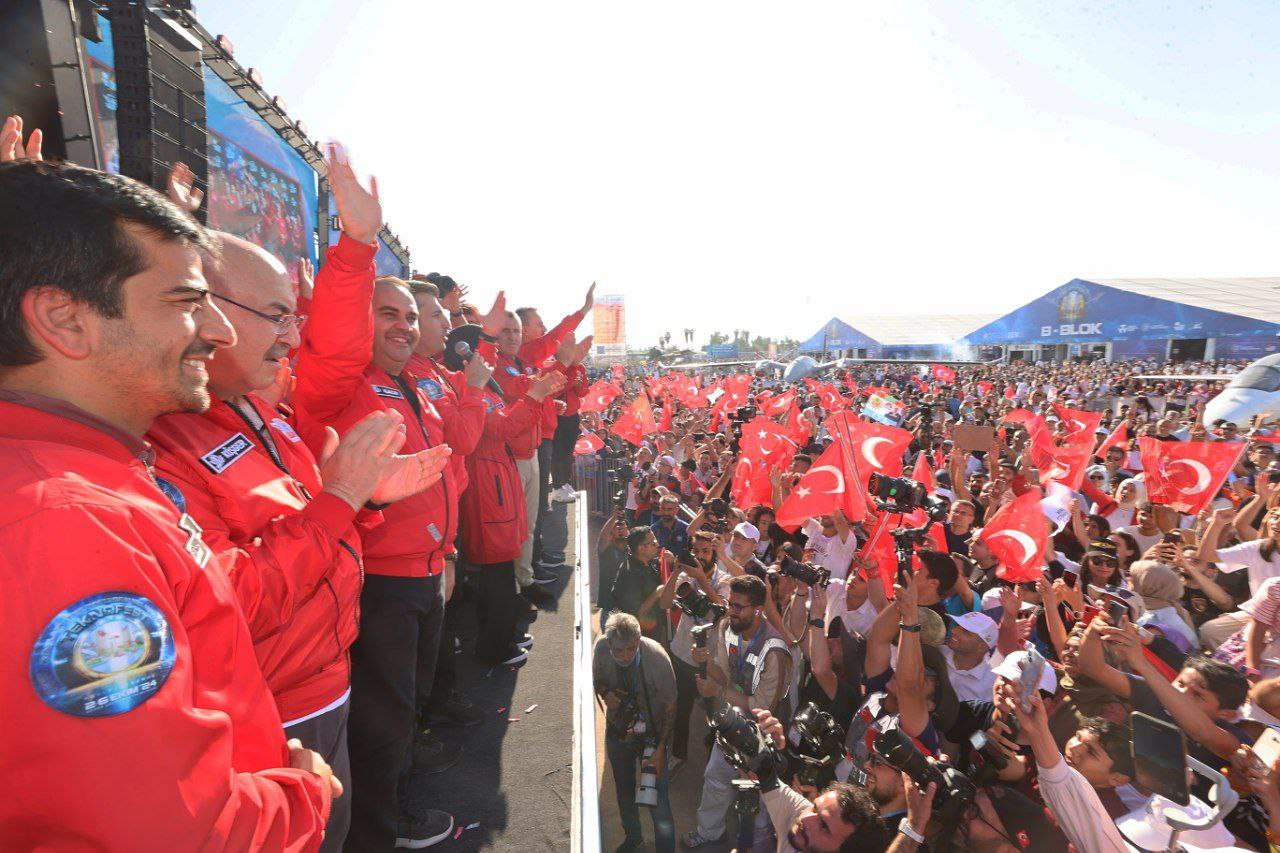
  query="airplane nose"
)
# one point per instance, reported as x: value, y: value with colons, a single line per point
x: 1238, y: 406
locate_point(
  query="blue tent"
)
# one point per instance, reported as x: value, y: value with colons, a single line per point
x: 837, y: 335
x: 1081, y: 311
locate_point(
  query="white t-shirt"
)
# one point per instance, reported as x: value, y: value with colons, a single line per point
x: 682, y: 640
x: 859, y: 621
x: 974, y: 685
x: 1144, y: 541
x: 1248, y: 555
x: 829, y: 552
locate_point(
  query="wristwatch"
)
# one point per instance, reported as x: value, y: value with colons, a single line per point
x: 817, y: 623
x: 914, y: 629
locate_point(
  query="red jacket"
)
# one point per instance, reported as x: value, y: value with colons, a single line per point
x: 290, y: 549
x: 533, y: 356
x: 494, y: 523
x: 135, y: 714
x: 575, y: 388
x: 338, y: 385
x: 461, y: 407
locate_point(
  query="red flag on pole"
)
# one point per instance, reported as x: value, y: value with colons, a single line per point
x: 878, y: 448
x: 1186, y: 475
x: 635, y: 422
x: 1017, y: 535
x: 923, y: 472
x: 942, y: 373
x: 599, y: 396
x: 1119, y: 437
x: 1078, y: 421
x: 830, y: 398
x: 831, y: 483
x: 587, y: 444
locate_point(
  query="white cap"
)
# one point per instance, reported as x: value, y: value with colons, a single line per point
x: 670, y: 460
x: 748, y: 530
x: 978, y: 623
x: 1011, y: 668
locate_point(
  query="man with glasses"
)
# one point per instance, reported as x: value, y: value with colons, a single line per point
x: 281, y: 524
x: 632, y: 676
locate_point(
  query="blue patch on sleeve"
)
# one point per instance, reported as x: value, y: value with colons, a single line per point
x: 511, y: 371
x: 104, y: 655
x: 431, y: 388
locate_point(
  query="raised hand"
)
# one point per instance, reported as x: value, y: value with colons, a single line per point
x: 359, y: 210
x: 583, y: 350
x: 591, y: 298
x: 306, y: 278
x: 11, y: 147
x: 411, y: 473
x: 181, y: 188
x: 491, y: 323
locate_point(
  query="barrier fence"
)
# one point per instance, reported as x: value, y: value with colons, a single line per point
x: 600, y: 477
x: 586, y: 792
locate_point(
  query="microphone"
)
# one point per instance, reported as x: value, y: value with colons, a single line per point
x: 464, y: 352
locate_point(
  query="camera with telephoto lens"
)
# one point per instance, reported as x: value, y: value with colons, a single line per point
x: 626, y: 720
x: 697, y: 603
x: 990, y: 759
x: 820, y: 749
x: 743, y: 744
x: 900, y: 495
x: 955, y: 791
x: 807, y: 573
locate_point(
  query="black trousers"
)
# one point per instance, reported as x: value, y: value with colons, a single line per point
x: 446, y: 674
x: 686, y: 697
x: 497, y: 611
x: 568, y: 427
x: 544, y: 491
x: 400, y: 627
x: 327, y: 735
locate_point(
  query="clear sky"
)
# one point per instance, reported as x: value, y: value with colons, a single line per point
x: 766, y: 165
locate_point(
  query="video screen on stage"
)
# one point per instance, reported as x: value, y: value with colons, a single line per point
x: 385, y: 261
x: 100, y: 69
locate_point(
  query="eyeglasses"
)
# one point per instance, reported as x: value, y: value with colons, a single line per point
x: 1105, y: 561
x: 283, y: 322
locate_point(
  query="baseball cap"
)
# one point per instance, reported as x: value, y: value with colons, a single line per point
x: 1101, y: 548
x: 1011, y: 669
x: 747, y: 529
x: 978, y: 623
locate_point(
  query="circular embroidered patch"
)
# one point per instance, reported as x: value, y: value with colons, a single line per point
x: 103, y: 656
x: 431, y: 388
x: 173, y: 493
x: 511, y: 371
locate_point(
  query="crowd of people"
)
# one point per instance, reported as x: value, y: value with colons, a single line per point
x: 240, y: 512
x: 1081, y: 564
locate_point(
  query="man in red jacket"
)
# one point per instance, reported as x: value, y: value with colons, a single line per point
x: 520, y: 355
x: 283, y: 526
x: 354, y: 350
x: 570, y: 354
x: 129, y: 667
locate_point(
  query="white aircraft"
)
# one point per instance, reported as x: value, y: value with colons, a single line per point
x: 804, y: 366
x: 1251, y: 392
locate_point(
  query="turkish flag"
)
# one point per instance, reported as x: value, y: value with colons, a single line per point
x: 832, y: 482
x: 737, y: 387
x: 1065, y: 463
x: 942, y: 373
x: 687, y: 392
x: 923, y: 472
x: 830, y: 398
x: 751, y: 483
x: 1010, y: 392
x: 667, y: 406
x: 1186, y: 475
x: 587, y: 444
x: 1119, y: 437
x: 1017, y: 535
x: 778, y: 405
x: 764, y: 441
x: 878, y: 448
x: 1078, y: 421
x: 797, y: 427
x: 635, y: 422
x: 619, y: 373
x: 852, y: 386
x: 599, y: 396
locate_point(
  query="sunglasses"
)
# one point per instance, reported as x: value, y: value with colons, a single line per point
x: 1105, y: 561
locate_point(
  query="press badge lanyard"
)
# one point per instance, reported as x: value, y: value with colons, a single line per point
x: 259, y: 427
x: 630, y: 679
x: 744, y: 657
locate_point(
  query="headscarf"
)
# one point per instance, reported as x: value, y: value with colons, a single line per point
x: 1160, y: 587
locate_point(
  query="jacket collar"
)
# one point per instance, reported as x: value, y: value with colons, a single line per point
x: 35, y: 416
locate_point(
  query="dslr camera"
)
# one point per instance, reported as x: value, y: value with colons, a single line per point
x: 693, y: 601
x: 743, y: 744
x: 821, y: 746
x: 956, y: 791
x: 627, y: 724
x: 807, y: 573
x: 900, y: 495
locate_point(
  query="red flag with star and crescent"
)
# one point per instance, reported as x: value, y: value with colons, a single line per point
x: 599, y: 396
x: 942, y: 373
x: 635, y: 422
x: 780, y: 404
x: 587, y: 444
x: 1078, y: 421
x: 831, y: 483
x: 1186, y: 475
x: 797, y: 427
x: 878, y: 448
x: 1017, y: 534
x: 1065, y: 463
x: 830, y: 398
x: 1119, y: 437
x: 765, y: 441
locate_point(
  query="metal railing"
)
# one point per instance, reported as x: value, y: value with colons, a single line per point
x: 599, y: 479
x: 586, y: 792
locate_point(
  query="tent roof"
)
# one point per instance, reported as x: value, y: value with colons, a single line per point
x: 1258, y: 298
x: 917, y: 329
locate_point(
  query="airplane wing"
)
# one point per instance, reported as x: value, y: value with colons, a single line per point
x: 1199, y: 377
x: 848, y: 362
x: 702, y: 365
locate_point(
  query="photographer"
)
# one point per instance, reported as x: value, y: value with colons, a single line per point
x: 701, y: 571
x: 672, y: 532
x: 636, y: 588
x: 633, y: 677
x: 843, y: 817
x: 611, y: 554
x: 750, y: 667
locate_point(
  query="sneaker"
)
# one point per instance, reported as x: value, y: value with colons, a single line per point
x: 565, y: 494
x: 518, y: 656
x: 432, y: 755
x: 416, y: 833
x: 454, y: 710
x: 523, y: 641
x: 692, y: 840
x: 543, y: 576
x: 549, y: 563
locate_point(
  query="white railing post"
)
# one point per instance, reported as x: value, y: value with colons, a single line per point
x: 586, y: 794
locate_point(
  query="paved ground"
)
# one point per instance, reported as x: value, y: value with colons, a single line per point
x: 514, y: 777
